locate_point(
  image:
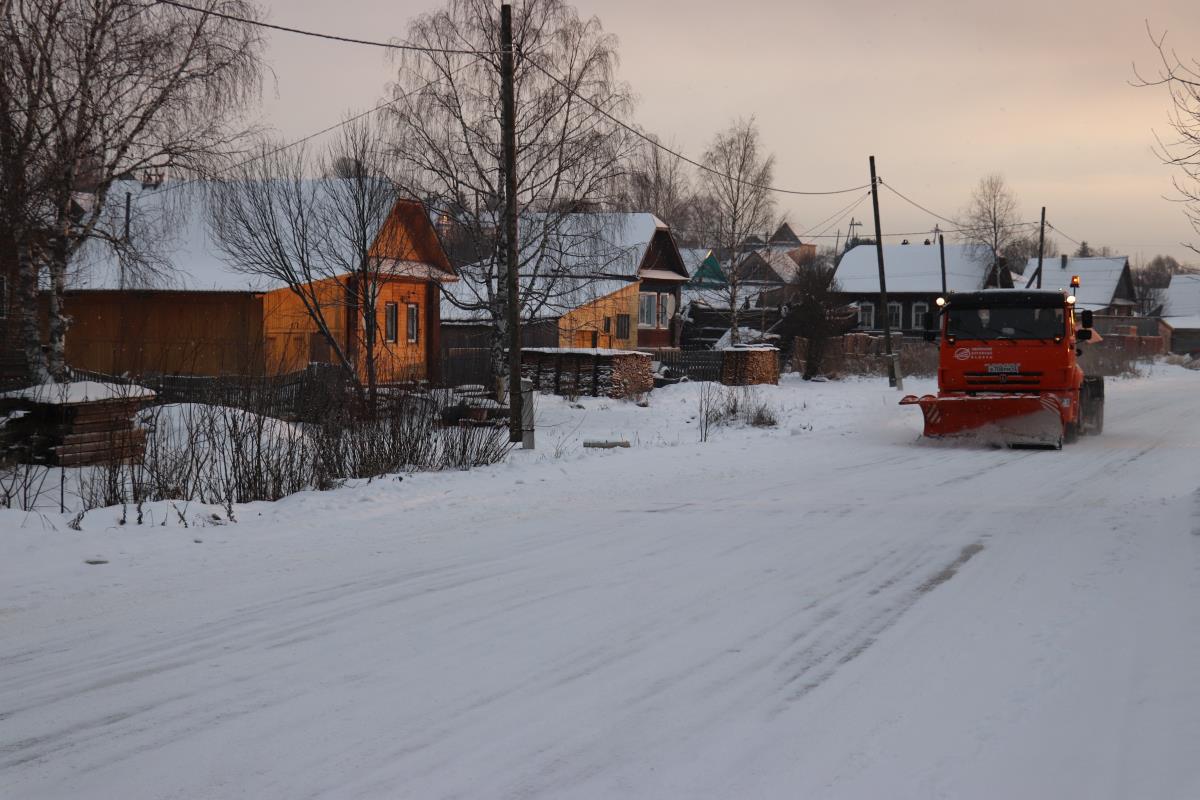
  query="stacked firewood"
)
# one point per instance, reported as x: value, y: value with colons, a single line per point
x: 573, y: 372
x: 747, y: 366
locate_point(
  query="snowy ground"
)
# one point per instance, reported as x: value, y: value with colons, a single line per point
x: 829, y: 609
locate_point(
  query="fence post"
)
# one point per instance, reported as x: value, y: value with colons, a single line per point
x: 526, y: 414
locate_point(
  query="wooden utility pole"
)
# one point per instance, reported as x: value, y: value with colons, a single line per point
x: 942, y: 256
x: 512, y: 312
x: 1041, y: 247
x: 883, y: 299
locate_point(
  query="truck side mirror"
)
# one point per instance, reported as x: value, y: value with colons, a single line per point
x: 1084, y: 334
x: 1087, y: 318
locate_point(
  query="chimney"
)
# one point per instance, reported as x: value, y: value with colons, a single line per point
x: 1064, y: 261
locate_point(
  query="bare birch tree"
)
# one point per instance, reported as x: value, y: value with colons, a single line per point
x: 660, y: 183
x: 316, y: 235
x: 989, y: 220
x: 571, y: 157
x: 741, y: 207
x: 90, y: 91
x: 1181, y: 78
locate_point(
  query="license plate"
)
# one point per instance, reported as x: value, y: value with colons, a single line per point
x: 1003, y: 369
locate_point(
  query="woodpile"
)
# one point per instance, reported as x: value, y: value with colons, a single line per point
x: 572, y: 372
x: 750, y: 365
x: 43, y: 428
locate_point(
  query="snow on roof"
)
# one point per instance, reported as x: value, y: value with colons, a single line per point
x: 585, y: 351
x: 169, y: 226
x: 1182, y: 297
x: 572, y: 261
x: 693, y: 257
x: 65, y: 394
x: 546, y: 297
x: 1099, y: 278
x: 912, y: 268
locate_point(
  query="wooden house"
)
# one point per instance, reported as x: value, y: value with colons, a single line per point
x: 1105, y: 283
x: 1180, y: 321
x: 914, y: 281
x: 618, y: 286
x: 205, y: 318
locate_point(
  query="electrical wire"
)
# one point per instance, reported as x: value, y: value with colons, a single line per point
x: 1060, y: 233
x: 837, y: 215
x: 318, y: 35
x: 650, y: 140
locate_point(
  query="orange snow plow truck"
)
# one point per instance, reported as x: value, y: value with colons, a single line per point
x: 1007, y: 369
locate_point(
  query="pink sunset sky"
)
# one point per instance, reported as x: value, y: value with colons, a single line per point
x: 941, y: 92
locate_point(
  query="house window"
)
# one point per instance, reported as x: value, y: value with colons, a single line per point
x: 919, y: 312
x: 622, y: 326
x: 3, y: 296
x: 391, y: 322
x: 608, y: 324
x: 866, y: 315
x: 647, y: 309
x: 414, y: 323
x: 666, y: 309
x: 895, y: 315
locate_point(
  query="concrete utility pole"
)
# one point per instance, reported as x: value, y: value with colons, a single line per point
x: 942, y: 257
x: 893, y: 372
x: 1041, y: 247
x: 511, y: 250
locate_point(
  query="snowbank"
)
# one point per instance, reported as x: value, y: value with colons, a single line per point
x: 75, y: 392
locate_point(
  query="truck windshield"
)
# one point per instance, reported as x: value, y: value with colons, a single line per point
x: 1005, y: 322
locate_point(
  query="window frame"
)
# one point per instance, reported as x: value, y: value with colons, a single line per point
x: 391, y: 322
x: 624, y: 326
x: 923, y: 312
x: 413, y: 323
x: 898, y: 322
x: 865, y: 306
x: 648, y: 301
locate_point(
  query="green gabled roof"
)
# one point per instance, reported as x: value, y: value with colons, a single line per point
x: 708, y: 274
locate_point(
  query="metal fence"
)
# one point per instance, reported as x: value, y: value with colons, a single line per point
x: 695, y: 365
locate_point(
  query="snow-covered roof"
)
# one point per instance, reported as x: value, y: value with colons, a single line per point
x: 693, y: 257
x: 1182, y: 297
x: 570, y: 260
x: 1190, y: 322
x: 170, y: 231
x: 73, y: 393
x: 914, y: 268
x: 549, y: 296
x: 1099, y: 278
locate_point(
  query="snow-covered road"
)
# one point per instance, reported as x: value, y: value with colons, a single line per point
x: 836, y: 612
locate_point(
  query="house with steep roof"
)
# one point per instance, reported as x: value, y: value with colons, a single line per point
x: 1105, y: 282
x: 1180, y: 321
x: 194, y: 312
x: 914, y: 281
x: 610, y: 280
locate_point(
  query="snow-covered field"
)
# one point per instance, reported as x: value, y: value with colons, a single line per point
x: 833, y: 608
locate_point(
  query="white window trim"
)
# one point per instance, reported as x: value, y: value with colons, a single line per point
x: 898, y: 323
x: 862, y: 307
x: 654, y: 316
x: 923, y: 310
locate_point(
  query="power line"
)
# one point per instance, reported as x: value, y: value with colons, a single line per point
x: 650, y: 140
x: 915, y: 204
x: 837, y: 215
x: 318, y: 35
x: 1060, y: 233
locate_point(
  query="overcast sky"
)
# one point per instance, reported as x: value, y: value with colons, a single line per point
x: 940, y: 91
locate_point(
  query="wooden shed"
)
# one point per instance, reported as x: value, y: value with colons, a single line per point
x: 212, y: 320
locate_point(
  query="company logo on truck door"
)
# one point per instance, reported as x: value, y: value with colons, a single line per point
x: 972, y: 353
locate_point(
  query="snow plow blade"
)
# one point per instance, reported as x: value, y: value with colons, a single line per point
x: 1011, y: 419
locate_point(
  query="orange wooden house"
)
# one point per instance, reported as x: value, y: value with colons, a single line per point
x: 205, y: 318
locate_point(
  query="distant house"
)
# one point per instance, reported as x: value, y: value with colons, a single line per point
x: 1180, y: 321
x: 914, y: 281
x: 200, y: 316
x: 1105, y: 283
x: 619, y: 286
